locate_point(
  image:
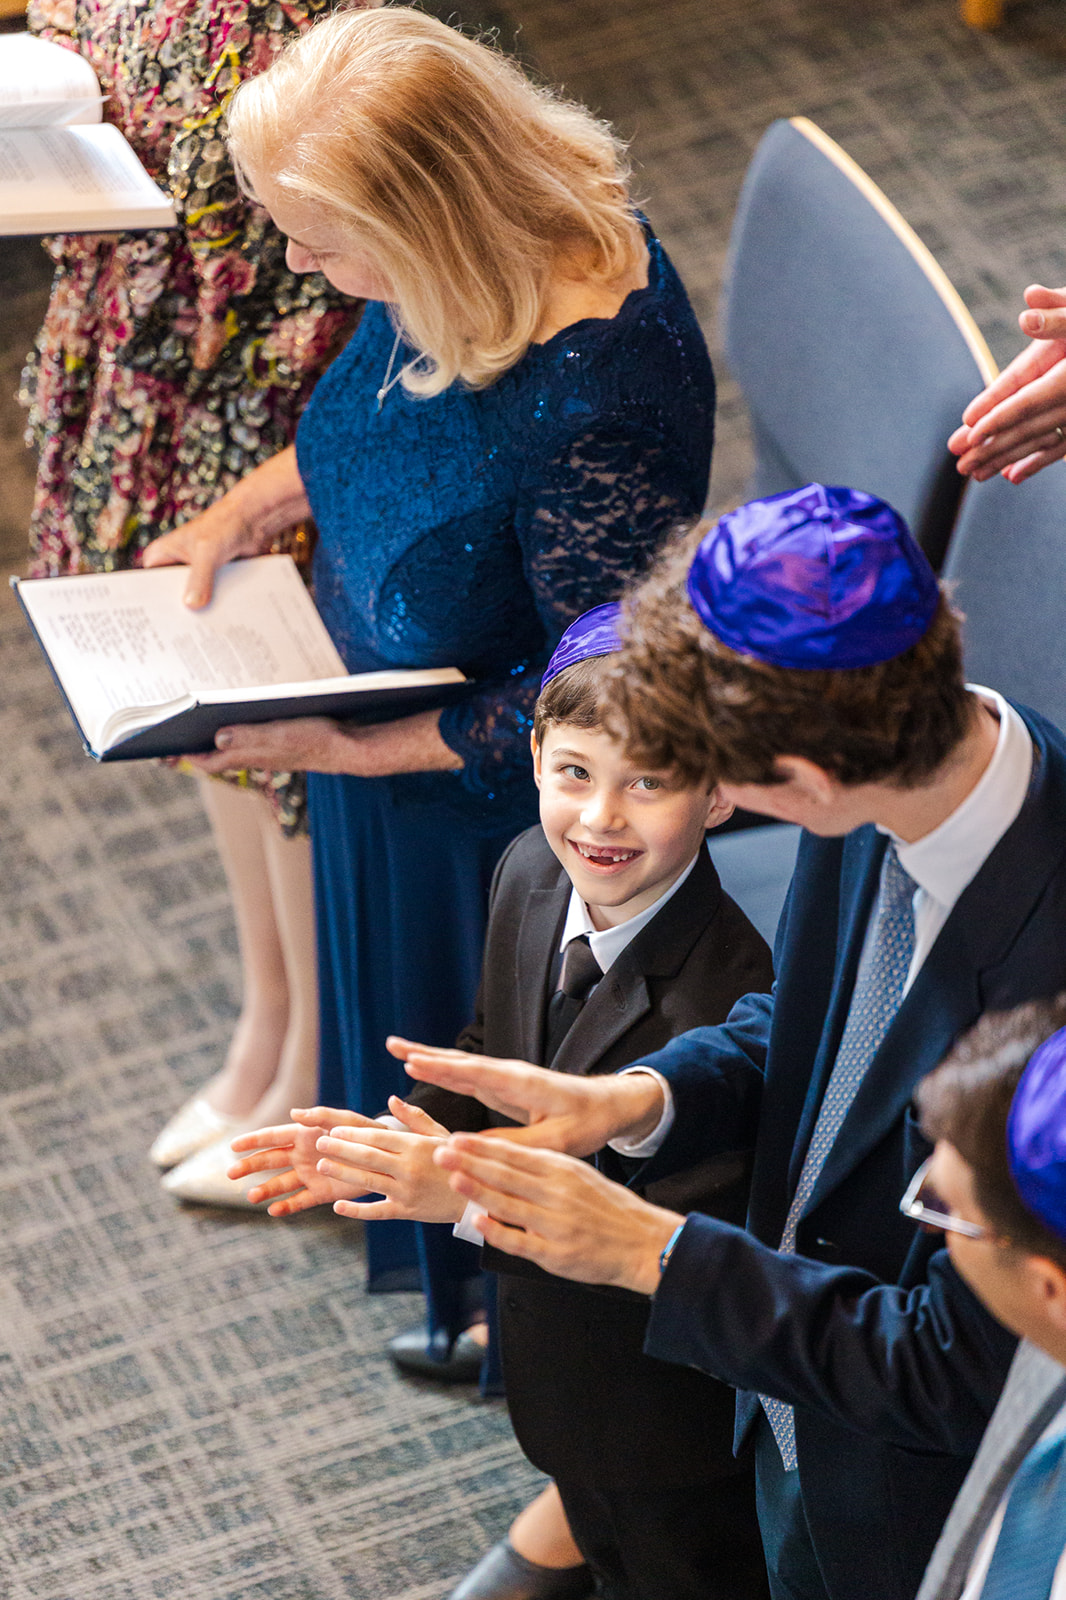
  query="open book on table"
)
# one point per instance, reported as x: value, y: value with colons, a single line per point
x: 145, y: 676
x: 62, y: 168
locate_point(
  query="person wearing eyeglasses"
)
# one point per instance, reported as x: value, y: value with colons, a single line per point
x: 995, y: 1186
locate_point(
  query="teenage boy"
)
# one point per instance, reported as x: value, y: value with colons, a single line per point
x: 608, y: 934
x: 996, y: 1185
x: 804, y: 654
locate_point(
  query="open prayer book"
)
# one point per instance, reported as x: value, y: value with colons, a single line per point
x: 62, y: 168
x: 143, y: 675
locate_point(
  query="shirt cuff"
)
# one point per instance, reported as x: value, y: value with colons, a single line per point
x: 464, y: 1228
x: 640, y: 1149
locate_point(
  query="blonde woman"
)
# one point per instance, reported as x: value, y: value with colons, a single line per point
x: 525, y: 409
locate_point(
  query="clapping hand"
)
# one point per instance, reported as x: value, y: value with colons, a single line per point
x: 559, y: 1212
x: 558, y: 1111
x: 394, y: 1162
x: 293, y: 1146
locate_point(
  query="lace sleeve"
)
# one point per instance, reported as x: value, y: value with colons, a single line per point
x: 598, y: 511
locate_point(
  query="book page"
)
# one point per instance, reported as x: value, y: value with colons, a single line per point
x: 43, y: 83
x: 127, y: 639
x: 66, y: 179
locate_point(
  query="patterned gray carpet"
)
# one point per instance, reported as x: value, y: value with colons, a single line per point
x: 965, y: 131
x: 192, y: 1403
x: 195, y: 1404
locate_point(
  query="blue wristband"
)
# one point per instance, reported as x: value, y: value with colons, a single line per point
x: 668, y: 1250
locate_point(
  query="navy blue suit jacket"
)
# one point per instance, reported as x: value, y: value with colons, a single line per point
x: 891, y: 1362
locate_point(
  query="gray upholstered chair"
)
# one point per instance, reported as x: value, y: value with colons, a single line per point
x: 856, y: 358
x: 1007, y: 567
x: 854, y: 353
x: 755, y: 866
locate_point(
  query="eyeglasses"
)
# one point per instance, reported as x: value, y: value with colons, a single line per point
x: 924, y: 1205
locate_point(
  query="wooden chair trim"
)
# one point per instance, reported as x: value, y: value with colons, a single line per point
x: 932, y: 269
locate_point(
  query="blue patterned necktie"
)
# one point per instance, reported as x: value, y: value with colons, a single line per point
x: 878, y: 991
x: 1033, y: 1534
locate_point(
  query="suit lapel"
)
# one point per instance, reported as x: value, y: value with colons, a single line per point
x: 658, y: 951
x: 615, y: 1005
x: 943, y: 1001
x: 538, y: 940
x: 948, y: 994
x: 860, y: 873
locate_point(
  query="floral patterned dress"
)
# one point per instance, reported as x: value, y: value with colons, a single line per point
x: 171, y: 362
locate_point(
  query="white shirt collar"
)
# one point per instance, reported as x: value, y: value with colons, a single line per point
x: 608, y: 945
x: 944, y: 861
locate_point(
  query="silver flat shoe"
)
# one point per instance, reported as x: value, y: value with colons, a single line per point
x: 197, y: 1124
x: 202, y: 1178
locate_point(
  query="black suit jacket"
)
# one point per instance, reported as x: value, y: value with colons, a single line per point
x: 585, y: 1400
x: 892, y: 1364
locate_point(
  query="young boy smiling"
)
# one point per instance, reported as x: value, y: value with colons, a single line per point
x: 609, y: 933
x: 624, y: 837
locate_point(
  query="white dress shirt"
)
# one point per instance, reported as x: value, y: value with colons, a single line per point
x: 607, y: 944
x: 941, y: 864
x: 946, y: 860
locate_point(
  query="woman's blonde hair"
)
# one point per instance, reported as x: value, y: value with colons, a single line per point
x: 468, y: 185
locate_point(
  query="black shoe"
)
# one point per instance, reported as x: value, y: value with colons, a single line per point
x: 413, y: 1353
x: 502, y: 1574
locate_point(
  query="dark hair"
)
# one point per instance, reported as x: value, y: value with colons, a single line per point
x: 966, y: 1101
x: 574, y: 696
x: 682, y: 698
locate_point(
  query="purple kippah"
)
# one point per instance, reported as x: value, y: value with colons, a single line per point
x: 594, y: 633
x: 1036, y: 1134
x: 817, y: 577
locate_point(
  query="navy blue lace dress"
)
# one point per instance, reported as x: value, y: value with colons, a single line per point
x: 469, y: 529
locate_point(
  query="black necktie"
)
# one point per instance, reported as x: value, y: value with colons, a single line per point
x: 580, y: 970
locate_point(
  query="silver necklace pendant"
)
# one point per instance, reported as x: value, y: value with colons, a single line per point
x: 389, y: 381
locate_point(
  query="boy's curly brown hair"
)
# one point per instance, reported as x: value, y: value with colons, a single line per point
x: 678, y: 697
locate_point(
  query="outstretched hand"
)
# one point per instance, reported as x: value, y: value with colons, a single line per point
x: 558, y: 1212
x: 1011, y: 426
x: 558, y: 1111
x: 293, y: 1148
x: 394, y: 1162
